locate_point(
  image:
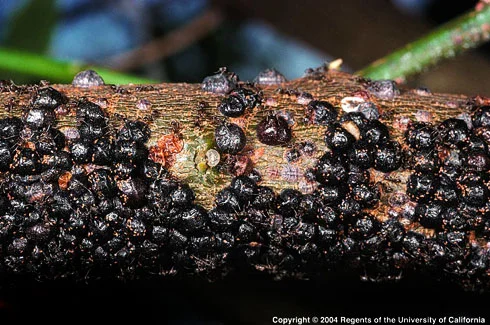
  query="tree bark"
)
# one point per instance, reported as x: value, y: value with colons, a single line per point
x: 186, y: 111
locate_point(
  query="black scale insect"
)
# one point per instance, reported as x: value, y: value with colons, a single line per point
x: 238, y: 102
x: 229, y: 138
x: 270, y: 77
x: 221, y: 83
x: 321, y: 112
x: 274, y: 130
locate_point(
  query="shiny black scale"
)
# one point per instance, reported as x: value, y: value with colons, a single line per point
x: 103, y: 151
x: 337, y: 138
x: 358, y: 175
x: 193, y: 219
x: 232, y: 106
x: 133, y: 191
x: 134, y: 131
x: 321, y: 112
x: 420, y: 136
x: 473, y: 191
x: 388, y: 156
x: 182, y: 196
x: 91, y: 113
x: 453, y: 220
x: 375, y: 133
x: 430, y: 215
x: 367, y: 195
x: 50, y: 141
x: 244, y: 187
x: 421, y: 186
x: 365, y: 226
x: 229, y: 138
x: 130, y: 151
x: 361, y: 155
x: 228, y: 200
x: 481, y: 117
x: 39, y: 118
x: 220, y: 219
x: 48, y: 98
x: 289, y: 201
x: 447, y: 195
x: 453, y: 132
x: 358, y: 118
x: 6, y: 156
x: 10, y: 129
x: 477, y: 161
x: 102, y: 183
x: 264, y: 199
x: 274, y: 130
x: 425, y: 161
x: 349, y: 208
x: 26, y: 162
x: 475, y: 144
x: 331, y: 170
x: 330, y: 195
x: 81, y: 152
x: 90, y: 132
x: 309, y: 206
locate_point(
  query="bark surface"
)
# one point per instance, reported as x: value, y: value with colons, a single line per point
x: 186, y: 111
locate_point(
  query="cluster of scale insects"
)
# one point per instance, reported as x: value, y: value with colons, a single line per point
x: 96, y: 206
x: 295, y: 232
x: 449, y: 182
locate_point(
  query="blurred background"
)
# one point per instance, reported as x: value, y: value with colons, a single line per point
x: 185, y: 40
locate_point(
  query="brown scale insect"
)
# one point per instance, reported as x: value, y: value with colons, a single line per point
x: 201, y: 114
x: 120, y: 90
x: 287, y: 115
x: 167, y: 147
x: 176, y: 127
x: 144, y: 88
x: 64, y: 180
x: 239, y: 165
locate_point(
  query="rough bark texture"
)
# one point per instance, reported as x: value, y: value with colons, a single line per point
x: 195, y: 112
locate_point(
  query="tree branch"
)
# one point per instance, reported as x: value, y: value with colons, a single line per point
x: 183, y: 103
x: 183, y: 119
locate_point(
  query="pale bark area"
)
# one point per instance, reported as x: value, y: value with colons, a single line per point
x: 181, y: 103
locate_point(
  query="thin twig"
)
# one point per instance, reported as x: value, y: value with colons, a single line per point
x: 171, y: 43
x: 465, y: 32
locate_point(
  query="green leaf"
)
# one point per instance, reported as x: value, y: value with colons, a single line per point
x: 57, y: 71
